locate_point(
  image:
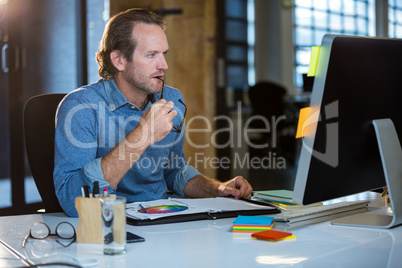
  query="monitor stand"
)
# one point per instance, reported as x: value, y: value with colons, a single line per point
x: 391, y: 157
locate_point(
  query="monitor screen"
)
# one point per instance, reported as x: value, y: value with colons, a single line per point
x: 358, y: 79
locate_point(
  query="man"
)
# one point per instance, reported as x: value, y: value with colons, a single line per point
x: 124, y: 131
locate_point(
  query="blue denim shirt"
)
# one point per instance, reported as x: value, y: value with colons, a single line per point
x: 90, y: 122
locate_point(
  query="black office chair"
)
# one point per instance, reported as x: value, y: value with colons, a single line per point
x: 39, y: 129
x: 267, y: 100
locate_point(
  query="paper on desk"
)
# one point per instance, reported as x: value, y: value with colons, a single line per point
x: 195, y: 205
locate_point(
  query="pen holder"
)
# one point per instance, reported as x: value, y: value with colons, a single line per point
x: 89, y: 228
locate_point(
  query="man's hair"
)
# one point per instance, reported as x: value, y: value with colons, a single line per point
x: 118, y: 36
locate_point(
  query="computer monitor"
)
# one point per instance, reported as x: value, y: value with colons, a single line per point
x: 358, y: 80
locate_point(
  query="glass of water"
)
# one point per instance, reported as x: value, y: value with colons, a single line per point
x: 114, y: 225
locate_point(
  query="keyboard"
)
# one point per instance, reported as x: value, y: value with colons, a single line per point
x: 324, y: 212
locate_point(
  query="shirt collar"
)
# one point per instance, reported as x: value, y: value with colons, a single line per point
x: 116, y: 99
x: 114, y: 96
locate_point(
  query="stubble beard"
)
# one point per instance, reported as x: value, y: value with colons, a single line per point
x: 143, y: 83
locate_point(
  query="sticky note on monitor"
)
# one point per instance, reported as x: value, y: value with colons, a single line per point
x: 303, y: 115
x: 315, y: 51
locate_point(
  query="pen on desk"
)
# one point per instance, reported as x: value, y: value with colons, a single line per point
x: 144, y: 210
x: 95, y: 190
x: 85, y: 190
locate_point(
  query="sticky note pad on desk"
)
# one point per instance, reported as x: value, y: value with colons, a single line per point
x: 252, y: 224
x: 273, y: 236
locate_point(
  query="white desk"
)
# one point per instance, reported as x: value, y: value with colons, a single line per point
x: 212, y: 244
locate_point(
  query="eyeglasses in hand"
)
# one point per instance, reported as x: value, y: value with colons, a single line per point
x: 41, y: 230
x: 175, y: 129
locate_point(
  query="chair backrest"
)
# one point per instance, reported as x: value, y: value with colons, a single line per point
x: 267, y: 99
x: 39, y: 129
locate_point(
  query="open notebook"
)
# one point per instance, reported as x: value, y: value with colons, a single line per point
x: 178, y: 210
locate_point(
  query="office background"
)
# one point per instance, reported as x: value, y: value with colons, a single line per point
x: 218, y: 49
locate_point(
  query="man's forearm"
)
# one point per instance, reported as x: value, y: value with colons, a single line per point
x: 155, y: 124
x: 121, y: 158
x: 201, y: 186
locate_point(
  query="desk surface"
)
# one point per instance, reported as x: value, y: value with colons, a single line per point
x: 211, y: 243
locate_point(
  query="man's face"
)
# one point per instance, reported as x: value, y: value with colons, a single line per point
x: 147, y: 69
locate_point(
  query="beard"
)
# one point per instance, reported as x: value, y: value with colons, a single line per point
x: 141, y: 81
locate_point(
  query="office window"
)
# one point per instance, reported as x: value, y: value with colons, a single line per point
x: 42, y: 45
x: 251, y: 41
x: 233, y: 64
x: 97, y: 16
x: 236, y: 28
x: 395, y: 18
x: 312, y: 19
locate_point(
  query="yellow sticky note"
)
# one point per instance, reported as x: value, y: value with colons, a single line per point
x: 304, y: 113
x: 315, y: 50
x: 285, y: 238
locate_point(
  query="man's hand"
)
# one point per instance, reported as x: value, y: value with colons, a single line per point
x: 237, y: 187
x: 154, y: 125
x: 156, y: 122
x: 201, y: 186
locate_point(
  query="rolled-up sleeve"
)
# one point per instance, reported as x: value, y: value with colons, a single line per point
x: 93, y: 172
x: 185, y: 174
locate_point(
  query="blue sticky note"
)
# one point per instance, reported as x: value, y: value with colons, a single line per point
x: 253, y: 220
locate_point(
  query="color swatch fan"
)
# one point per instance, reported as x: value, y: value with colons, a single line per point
x: 162, y: 209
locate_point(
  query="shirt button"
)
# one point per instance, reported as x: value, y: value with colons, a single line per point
x: 112, y: 106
